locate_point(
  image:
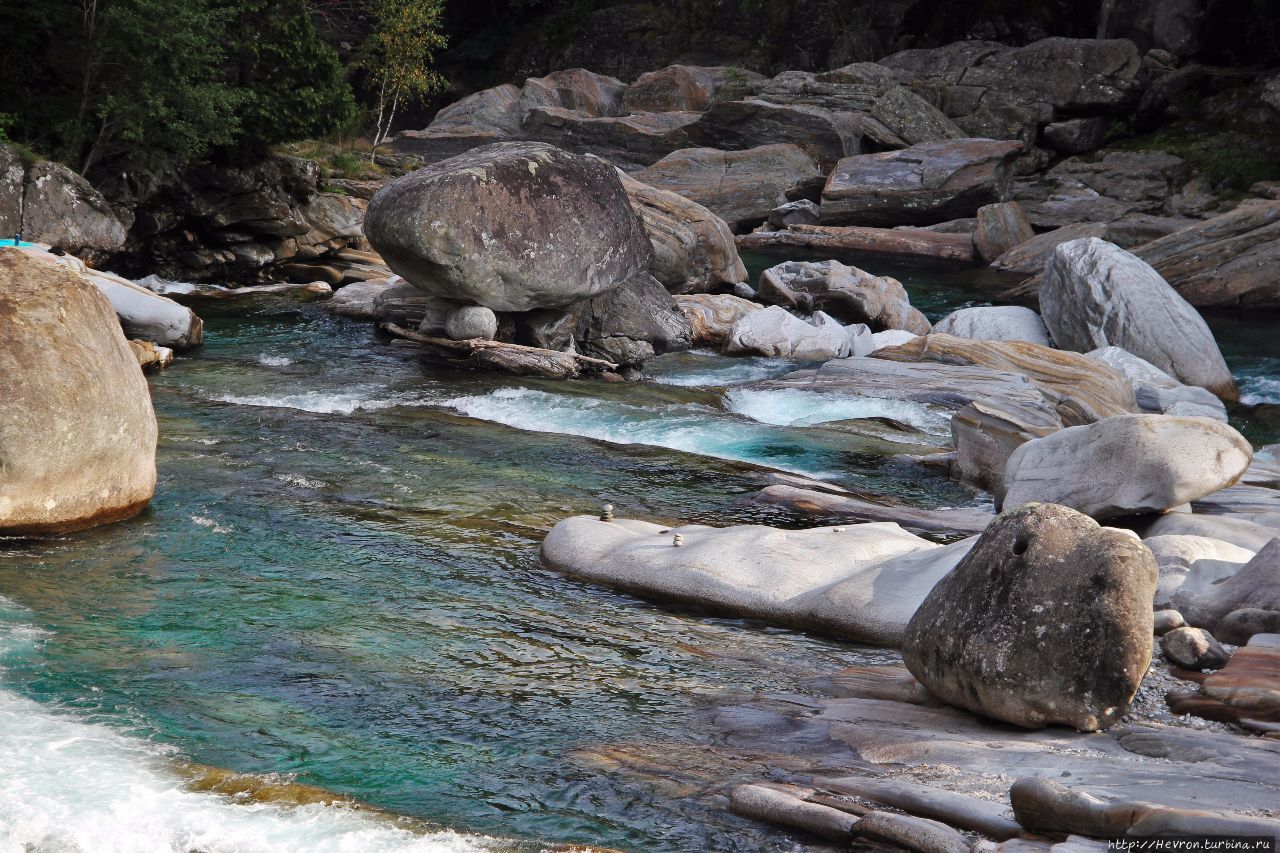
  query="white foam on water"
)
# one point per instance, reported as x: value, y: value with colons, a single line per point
x: 156, y: 284
x: 357, y: 399
x: 721, y: 372
x: 797, y: 407
x: 688, y: 428
x: 268, y: 360
x: 204, y: 521
x: 71, y: 786
x: 1256, y: 390
x: 300, y: 481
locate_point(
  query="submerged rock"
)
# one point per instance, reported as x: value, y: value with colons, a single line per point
x: 77, y: 432
x: 1046, y: 620
x: 512, y: 226
x: 1095, y: 294
x: 1127, y: 465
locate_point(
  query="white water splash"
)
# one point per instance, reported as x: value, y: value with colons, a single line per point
x: 268, y: 360
x: 1256, y: 390
x: 205, y: 521
x: 720, y: 372
x: 797, y: 407
x: 69, y: 786
x: 689, y: 428
x: 358, y: 399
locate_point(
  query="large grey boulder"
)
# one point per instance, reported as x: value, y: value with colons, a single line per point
x: 1095, y: 294
x: 693, y: 249
x: 1158, y: 392
x: 77, y: 432
x: 1127, y: 465
x: 741, y: 187
x: 1046, y: 620
x: 846, y: 293
x: 921, y: 185
x: 995, y: 323
x: 632, y: 323
x: 62, y: 209
x: 774, y: 332
x: 514, y: 226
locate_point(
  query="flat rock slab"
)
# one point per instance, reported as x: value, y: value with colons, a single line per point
x: 859, y: 582
x: 926, y: 183
x: 908, y: 242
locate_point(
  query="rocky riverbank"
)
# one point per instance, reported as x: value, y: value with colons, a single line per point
x: 582, y: 227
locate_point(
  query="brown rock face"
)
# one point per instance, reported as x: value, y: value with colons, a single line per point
x: 740, y: 187
x: 77, y: 433
x: 1001, y: 227
x: 1227, y: 260
x: 921, y: 185
x: 514, y: 226
x: 1046, y: 620
x: 711, y: 316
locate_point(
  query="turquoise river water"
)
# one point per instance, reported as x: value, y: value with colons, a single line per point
x: 338, y: 584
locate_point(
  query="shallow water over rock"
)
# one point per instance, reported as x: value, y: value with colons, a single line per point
x: 338, y: 580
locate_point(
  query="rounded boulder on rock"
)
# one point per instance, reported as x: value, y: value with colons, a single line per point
x: 1046, y: 620
x: 513, y: 226
x: 995, y: 323
x: 470, y: 322
x: 1194, y: 649
x: 1095, y: 294
x: 77, y: 431
x: 1127, y: 465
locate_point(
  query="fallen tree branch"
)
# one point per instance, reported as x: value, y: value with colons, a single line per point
x: 516, y: 359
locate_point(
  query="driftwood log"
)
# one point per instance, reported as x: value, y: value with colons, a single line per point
x: 515, y: 359
x: 917, y: 242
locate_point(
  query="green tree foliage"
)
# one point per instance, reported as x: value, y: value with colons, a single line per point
x: 290, y: 83
x: 152, y: 83
x: 398, y: 55
x: 119, y: 77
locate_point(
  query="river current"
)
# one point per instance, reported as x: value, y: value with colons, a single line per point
x: 338, y: 585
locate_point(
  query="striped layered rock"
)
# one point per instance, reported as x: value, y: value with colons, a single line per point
x: 1082, y: 389
x: 1227, y: 260
x: 693, y: 249
x: 847, y: 293
x: 909, y: 242
x: 711, y: 316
